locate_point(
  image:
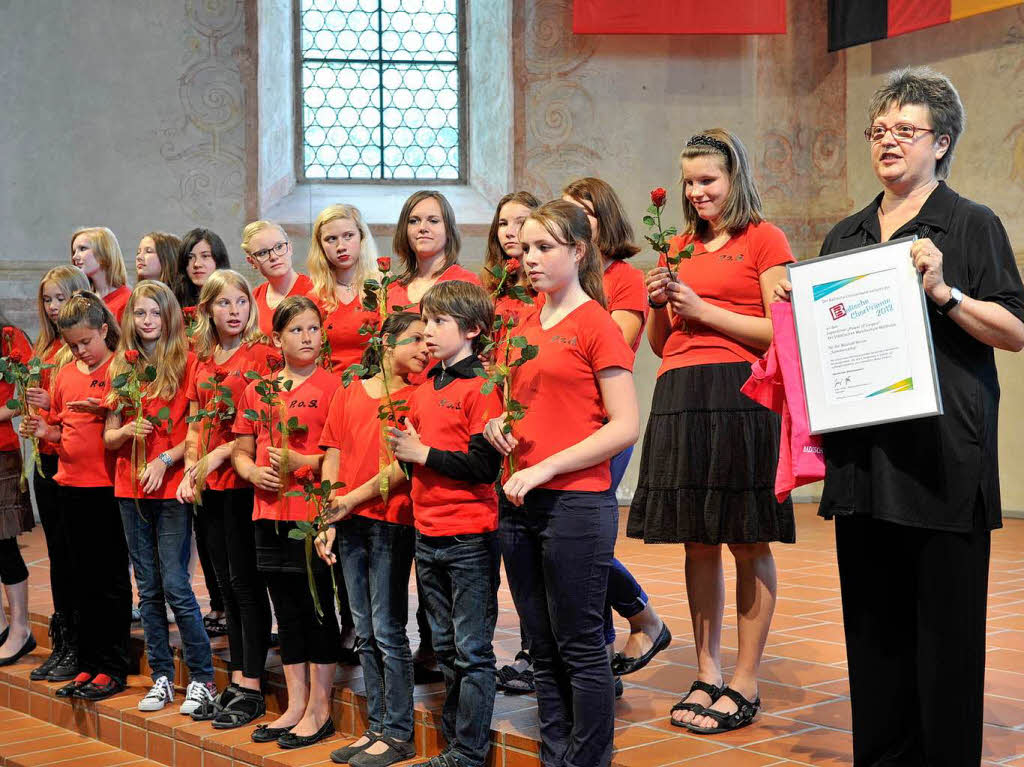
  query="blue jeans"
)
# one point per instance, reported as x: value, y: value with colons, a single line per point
x: 625, y: 595
x: 376, y: 558
x: 459, y: 576
x: 159, y: 536
x: 558, y: 549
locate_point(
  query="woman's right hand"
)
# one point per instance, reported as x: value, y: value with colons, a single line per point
x: 656, y: 281
x: 494, y: 432
x: 32, y: 426
x: 783, y: 291
x: 324, y: 543
x: 265, y: 478
x: 339, y: 509
x: 140, y: 426
x: 38, y: 398
x: 186, y: 492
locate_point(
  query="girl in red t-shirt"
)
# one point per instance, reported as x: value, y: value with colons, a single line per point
x: 708, y: 467
x: 228, y: 343
x: 15, y: 508
x: 375, y: 537
x: 87, y: 512
x: 150, y: 446
x: 55, y: 289
x: 156, y: 258
x: 342, y: 255
x: 309, y: 644
x: 558, y: 517
x: 96, y: 252
x: 503, y: 246
x: 268, y: 251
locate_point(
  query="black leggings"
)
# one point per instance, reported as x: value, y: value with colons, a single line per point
x: 62, y: 579
x: 305, y: 637
x: 227, y: 518
x: 90, y: 520
x: 12, y: 564
x: 207, y: 567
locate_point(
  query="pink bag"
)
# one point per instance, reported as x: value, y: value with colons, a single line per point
x: 777, y: 383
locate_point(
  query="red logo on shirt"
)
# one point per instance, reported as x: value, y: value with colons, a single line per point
x: 837, y: 311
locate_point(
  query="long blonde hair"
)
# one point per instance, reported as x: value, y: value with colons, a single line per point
x: 170, y: 355
x: 320, y: 269
x: 68, y: 279
x: 108, y: 253
x: 204, y: 337
x: 568, y: 224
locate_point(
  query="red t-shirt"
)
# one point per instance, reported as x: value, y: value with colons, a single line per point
x: 159, y: 440
x: 560, y: 393
x: 506, y: 307
x: 729, y: 278
x: 624, y: 290
x: 46, y: 382
x: 398, y: 295
x: 117, y: 300
x: 19, y: 343
x: 243, y: 359
x: 341, y: 328
x: 302, y: 286
x: 309, y: 402
x: 445, y: 420
x: 82, y: 460
x: 355, y: 431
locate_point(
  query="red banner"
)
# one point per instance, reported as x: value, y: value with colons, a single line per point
x: 679, y: 17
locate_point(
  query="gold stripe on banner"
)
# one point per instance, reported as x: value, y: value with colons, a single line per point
x: 961, y: 8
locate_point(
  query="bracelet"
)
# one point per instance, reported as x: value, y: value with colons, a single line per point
x: 653, y: 305
x: 166, y: 459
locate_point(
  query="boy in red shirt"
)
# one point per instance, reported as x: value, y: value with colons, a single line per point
x: 456, y: 514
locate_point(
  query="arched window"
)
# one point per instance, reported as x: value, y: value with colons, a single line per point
x: 381, y: 90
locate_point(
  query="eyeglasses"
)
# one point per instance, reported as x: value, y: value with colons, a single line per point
x: 278, y: 250
x: 904, y: 132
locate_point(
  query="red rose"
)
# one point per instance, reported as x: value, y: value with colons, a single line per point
x: 384, y: 263
x: 658, y: 197
x: 189, y: 312
x: 131, y: 356
x: 303, y: 474
x: 8, y: 330
x: 15, y: 356
x: 512, y: 265
x: 274, y: 362
x: 219, y: 375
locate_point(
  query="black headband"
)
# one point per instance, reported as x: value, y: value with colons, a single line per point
x: 702, y: 140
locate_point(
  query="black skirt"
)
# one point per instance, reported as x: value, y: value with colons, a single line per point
x: 707, y: 472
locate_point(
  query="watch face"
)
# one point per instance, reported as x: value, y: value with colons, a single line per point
x: 956, y: 295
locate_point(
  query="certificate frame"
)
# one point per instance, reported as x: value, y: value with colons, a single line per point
x: 864, y: 339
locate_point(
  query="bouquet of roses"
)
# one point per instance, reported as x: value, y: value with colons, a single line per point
x: 318, y: 496
x: 501, y: 372
x: 24, y: 374
x: 659, y: 237
x: 130, y: 388
x: 269, y: 389
x: 220, y: 407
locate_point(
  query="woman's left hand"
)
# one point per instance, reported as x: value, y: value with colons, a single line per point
x: 928, y: 261
x: 153, y: 476
x: 525, y: 480
x: 684, y: 301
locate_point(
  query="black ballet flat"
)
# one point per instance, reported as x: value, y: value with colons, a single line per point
x: 291, y: 740
x: 29, y: 646
x: 265, y: 734
x: 625, y: 664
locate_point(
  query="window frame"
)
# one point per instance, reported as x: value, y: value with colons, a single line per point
x: 463, y: 106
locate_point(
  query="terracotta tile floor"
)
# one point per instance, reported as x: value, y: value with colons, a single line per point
x: 805, y: 719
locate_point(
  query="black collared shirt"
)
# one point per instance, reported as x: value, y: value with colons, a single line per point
x: 932, y: 472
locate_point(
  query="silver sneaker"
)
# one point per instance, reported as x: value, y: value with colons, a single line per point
x: 159, y: 695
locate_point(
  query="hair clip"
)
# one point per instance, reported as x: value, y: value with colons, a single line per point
x: 704, y: 140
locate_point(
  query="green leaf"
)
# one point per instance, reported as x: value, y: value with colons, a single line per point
x: 305, y: 527
x: 251, y: 414
x: 649, y: 220
x: 517, y: 342
x: 252, y: 375
x: 296, y: 535
x: 487, y: 388
x: 119, y: 381
x: 652, y: 208
x: 529, y: 352
x: 13, y: 404
x: 163, y: 413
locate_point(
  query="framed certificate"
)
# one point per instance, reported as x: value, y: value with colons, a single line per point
x: 864, y: 339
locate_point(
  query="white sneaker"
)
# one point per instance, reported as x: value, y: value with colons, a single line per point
x: 196, y: 694
x: 159, y: 695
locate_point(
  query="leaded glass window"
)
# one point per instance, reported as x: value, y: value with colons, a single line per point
x: 381, y: 86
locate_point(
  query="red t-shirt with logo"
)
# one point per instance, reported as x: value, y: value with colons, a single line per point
x: 341, y: 328
x: 160, y: 440
x: 244, y: 359
x: 117, y: 300
x: 445, y: 420
x: 19, y: 343
x: 82, y: 460
x: 302, y: 286
x: 354, y: 430
x: 730, y: 278
x: 560, y: 393
x: 309, y: 402
x: 624, y: 290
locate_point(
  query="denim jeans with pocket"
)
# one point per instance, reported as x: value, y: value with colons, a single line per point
x: 376, y: 557
x: 159, y: 536
x: 459, y: 578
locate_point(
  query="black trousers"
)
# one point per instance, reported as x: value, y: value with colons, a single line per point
x: 206, y: 563
x: 914, y: 604
x: 90, y: 520
x: 62, y: 581
x: 226, y: 516
x: 12, y: 564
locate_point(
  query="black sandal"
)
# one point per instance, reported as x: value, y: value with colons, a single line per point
x: 712, y: 692
x: 246, y: 707
x: 744, y: 715
x: 215, y: 627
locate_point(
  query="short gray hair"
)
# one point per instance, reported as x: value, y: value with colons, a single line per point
x: 930, y: 89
